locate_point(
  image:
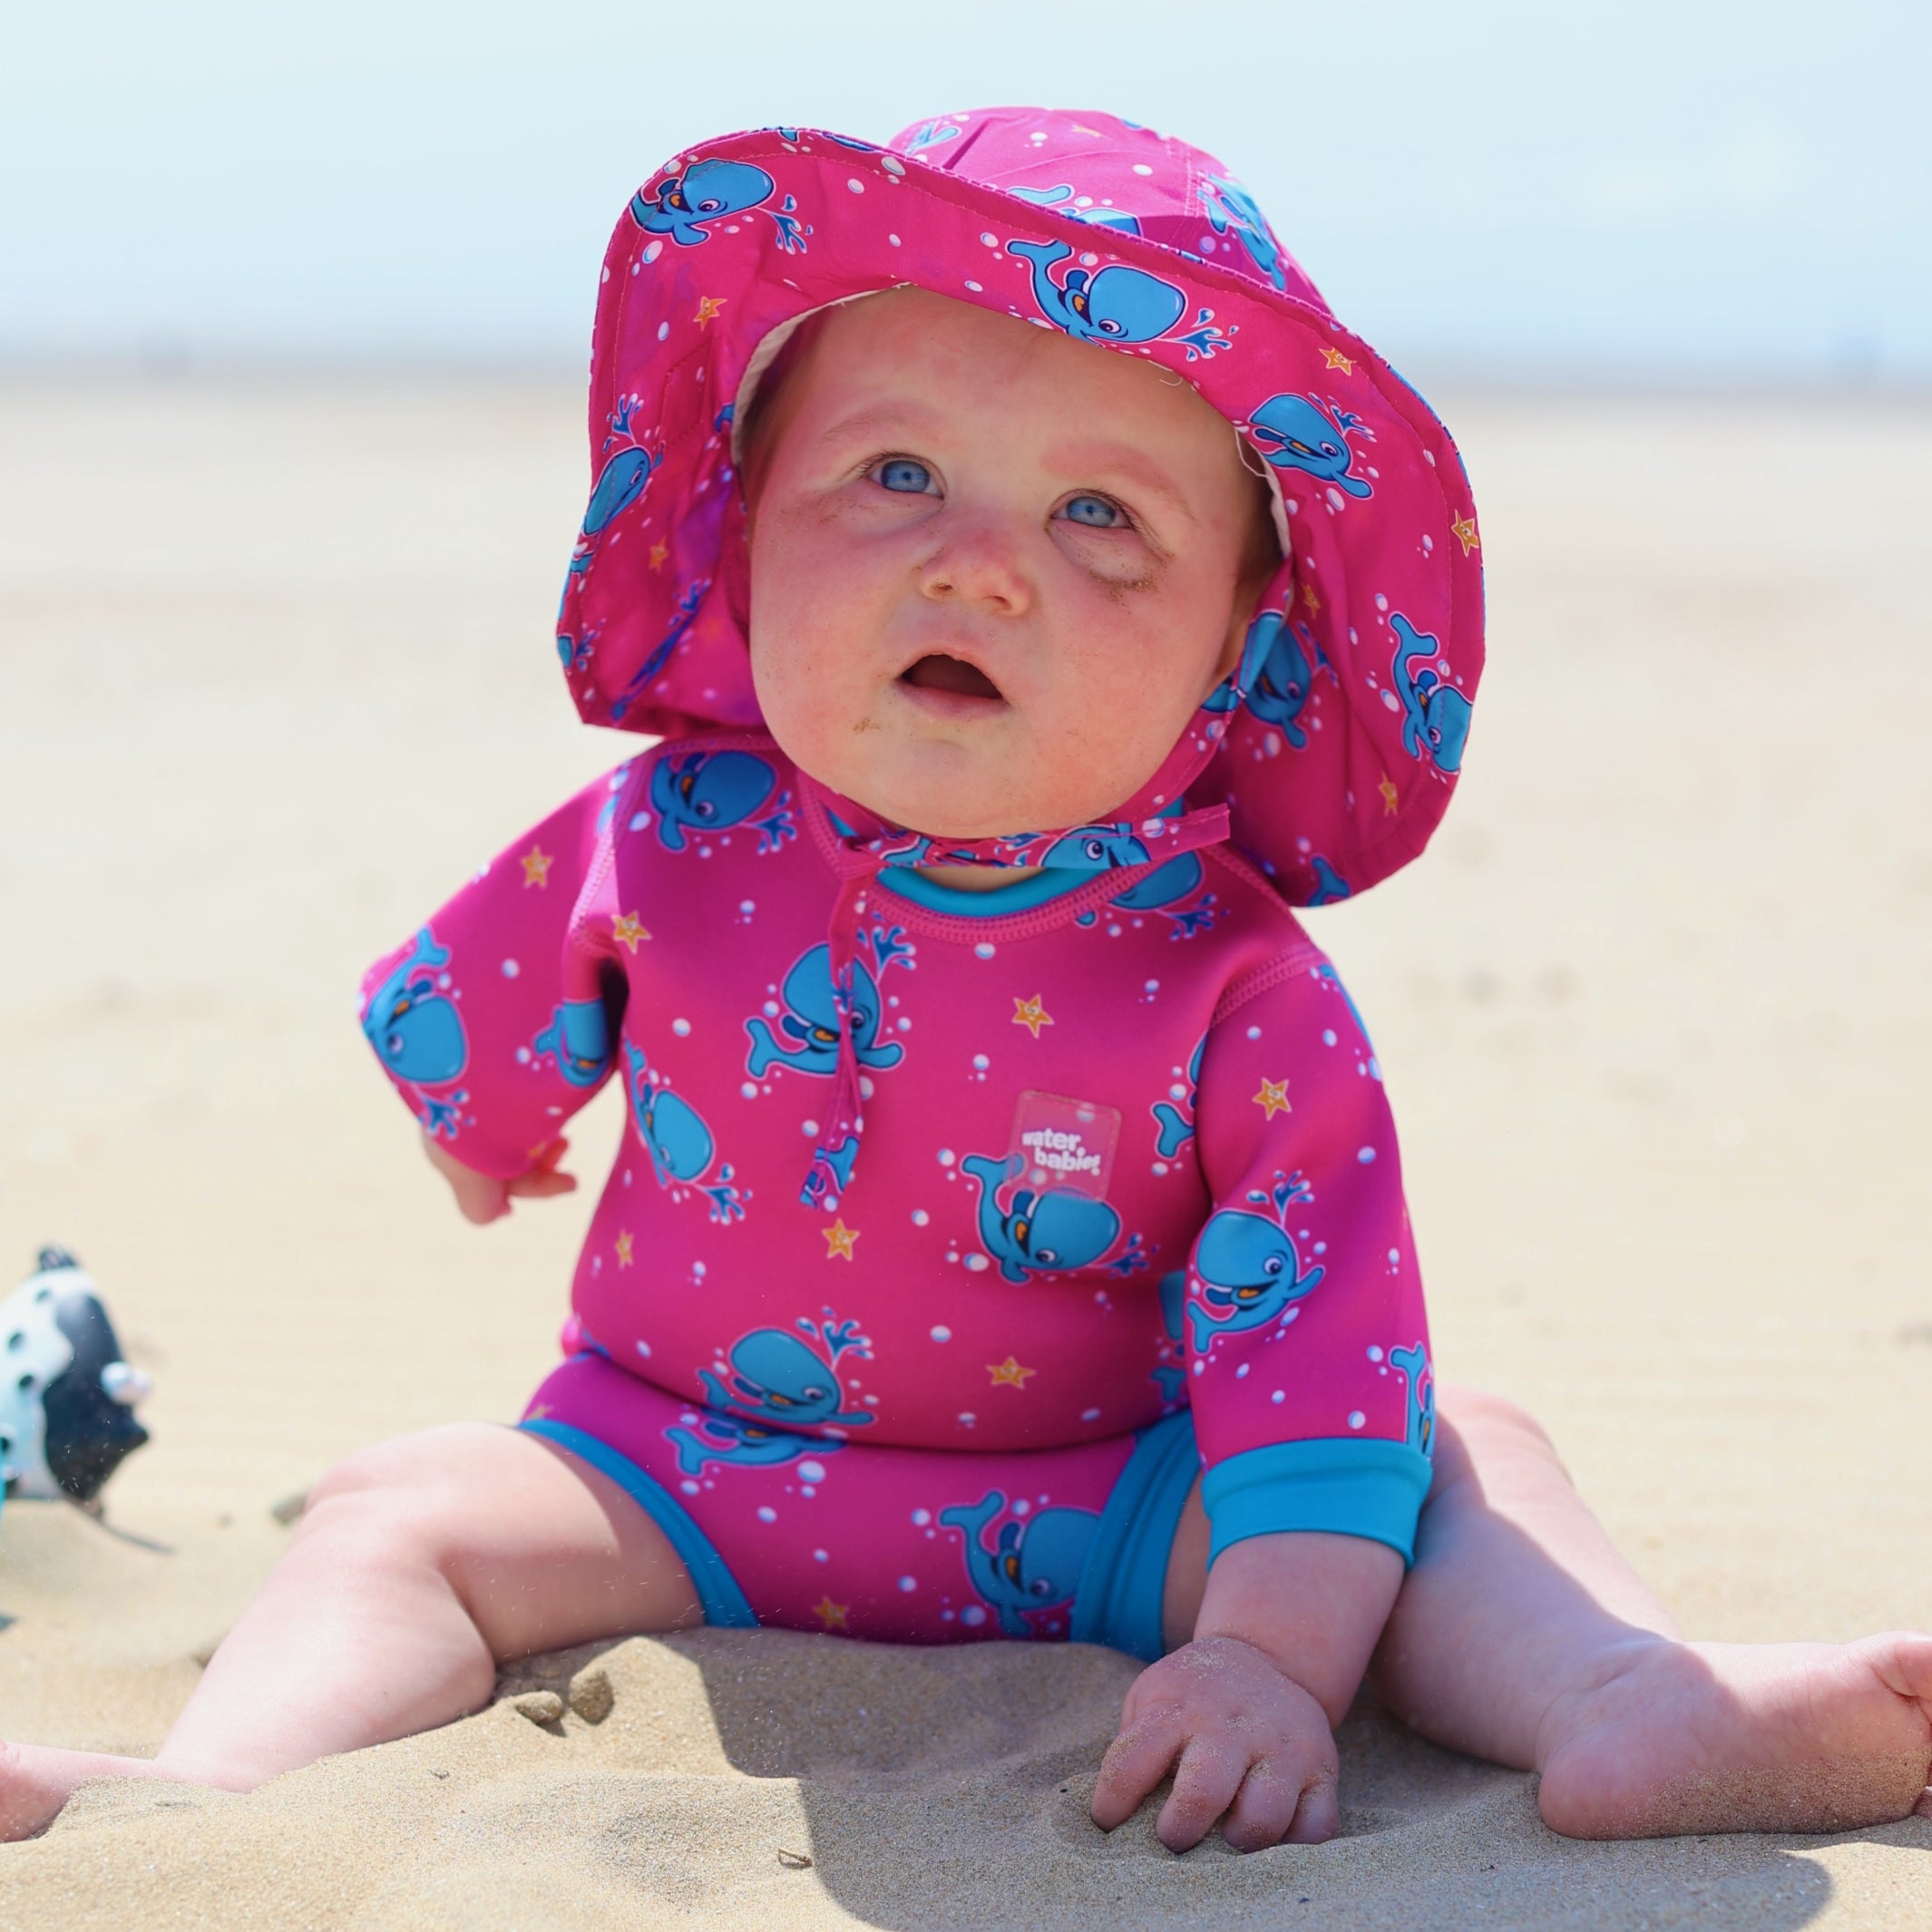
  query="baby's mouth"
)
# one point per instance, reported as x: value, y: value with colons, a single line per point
x: 936, y: 672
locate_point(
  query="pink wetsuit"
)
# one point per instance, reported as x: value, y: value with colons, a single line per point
x: 1127, y: 1206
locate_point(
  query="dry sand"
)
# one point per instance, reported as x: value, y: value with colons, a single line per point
x: 1656, y: 1015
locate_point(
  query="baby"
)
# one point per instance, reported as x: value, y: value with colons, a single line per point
x: 1008, y: 1240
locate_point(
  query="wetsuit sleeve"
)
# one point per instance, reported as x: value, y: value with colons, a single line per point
x: 1307, y: 1350
x: 494, y: 1022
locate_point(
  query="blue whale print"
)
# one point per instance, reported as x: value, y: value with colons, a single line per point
x: 416, y: 1030
x: 1117, y: 305
x: 1229, y: 205
x: 1280, y: 690
x: 1164, y: 885
x: 1436, y: 724
x: 677, y: 1140
x: 1100, y: 848
x: 727, y: 1441
x: 707, y: 790
x: 1419, y: 1432
x: 1060, y: 196
x: 1035, y: 1563
x: 579, y: 1035
x: 1294, y: 433
x: 1051, y: 1231
x: 705, y: 191
x: 777, y: 1378
x: 619, y: 484
x: 1329, y: 885
x: 1176, y: 1128
x: 810, y: 1022
x: 1250, y: 1272
x: 1171, y: 1377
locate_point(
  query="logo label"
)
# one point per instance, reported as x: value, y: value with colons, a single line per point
x: 1067, y: 1145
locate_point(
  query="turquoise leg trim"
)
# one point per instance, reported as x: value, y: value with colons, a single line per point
x: 723, y: 1601
x: 1125, y: 1576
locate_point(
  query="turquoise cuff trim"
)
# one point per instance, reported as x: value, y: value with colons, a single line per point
x: 1345, y: 1487
x: 718, y: 1595
x: 1020, y: 896
x: 1125, y: 1576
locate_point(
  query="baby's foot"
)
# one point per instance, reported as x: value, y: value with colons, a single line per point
x: 1743, y: 1737
x: 37, y: 1780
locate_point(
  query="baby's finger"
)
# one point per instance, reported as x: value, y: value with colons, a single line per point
x: 1318, y: 1817
x: 554, y: 1153
x: 1263, y: 1808
x: 1135, y: 1761
x: 1204, y: 1785
x: 539, y: 1184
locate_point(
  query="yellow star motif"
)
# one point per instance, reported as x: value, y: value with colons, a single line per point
x: 831, y: 1614
x: 536, y: 863
x: 1309, y: 598
x: 1337, y: 360
x: 1031, y: 1014
x: 626, y: 928
x: 839, y: 1239
x: 1008, y: 1373
x: 659, y: 553
x: 1389, y: 794
x: 1464, y: 531
x: 1273, y: 1096
x: 623, y: 1249
x: 708, y: 307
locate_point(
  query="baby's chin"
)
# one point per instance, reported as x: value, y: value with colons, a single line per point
x: 951, y: 792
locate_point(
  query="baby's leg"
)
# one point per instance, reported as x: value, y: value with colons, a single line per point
x: 417, y: 1567
x: 1522, y: 1636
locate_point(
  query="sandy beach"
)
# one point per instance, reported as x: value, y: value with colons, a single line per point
x: 1656, y: 1019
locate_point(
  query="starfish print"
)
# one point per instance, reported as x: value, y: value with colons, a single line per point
x: 626, y: 928
x: 1009, y: 1373
x: 1273, y: 1097
x: 708, y: 307
x: 536, y: 863
x: 1031, y: 1014
x: 839, y: 1239
x: 659, y: 553
x: 623, y: 1249
x: 1464, y: 531
x: 1309, y: 598
x: 1335, y: 359
x: 1389, y: 794
x: 831, y: 1614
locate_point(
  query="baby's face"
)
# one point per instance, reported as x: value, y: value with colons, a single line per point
x: 993, y: 570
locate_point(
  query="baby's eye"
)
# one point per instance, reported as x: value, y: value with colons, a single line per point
x: 1096, y: 513
x: 903, y: 474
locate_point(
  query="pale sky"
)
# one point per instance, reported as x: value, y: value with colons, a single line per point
x: 1667, y: 187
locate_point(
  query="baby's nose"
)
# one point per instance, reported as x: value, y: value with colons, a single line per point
x: 979, y: 567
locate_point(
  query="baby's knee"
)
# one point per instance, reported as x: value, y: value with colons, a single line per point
x: 1473, y: 1421
x: 393, y: 1492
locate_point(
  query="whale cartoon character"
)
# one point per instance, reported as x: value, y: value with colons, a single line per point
x: 579, y: 1035
x: 619, y: 484
x: 1051, y: 1231
x: 1229, y: 205
x: 1101, y: 847
x: 1176, y: 1123
x: 810, y: 1022
x: 725, y: 1440
x: 1279, y: 691
x: 707, y: 190
x: 417, y: 1032
x: 1329, y: 885
x: 1035, y: 1563
x: 1248, y: 1267
x: 1420, y: 1431
x: 1295, y: 433
x: 1169, y: 1375
x: 1437, y: 722
x: 831, y: 1173
x: 708, y: 790
x: 677, y: 1140
x: 1117, y: 305
x: 1061, y: 198
x: 777, y: 1378
x: 1169, y: 889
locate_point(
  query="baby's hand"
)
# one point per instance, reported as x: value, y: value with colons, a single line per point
x: 483, y: 1198
x: 1251, y: 1743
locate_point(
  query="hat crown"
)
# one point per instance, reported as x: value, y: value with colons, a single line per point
x: 1106, y: 173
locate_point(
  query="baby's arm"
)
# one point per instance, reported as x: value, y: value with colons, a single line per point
x: 1314, y: 1409
x: 483, y: 1198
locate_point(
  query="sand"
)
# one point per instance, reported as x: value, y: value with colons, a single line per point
x: 1654, y: 1014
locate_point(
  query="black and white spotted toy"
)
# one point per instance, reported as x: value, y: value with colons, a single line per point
x: 67, y: 1396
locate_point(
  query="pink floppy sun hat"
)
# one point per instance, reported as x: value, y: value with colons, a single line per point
x: 1331, y: 753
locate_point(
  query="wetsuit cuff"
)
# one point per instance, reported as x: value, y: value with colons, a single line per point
x: 1344, y: 1486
